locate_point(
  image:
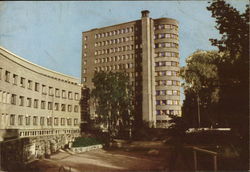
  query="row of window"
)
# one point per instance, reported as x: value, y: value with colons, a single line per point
x: 116, y: 49
x: 167, y: 73
x: 31, y: 85
x: 165, y: 35
x: 45, y: 132
x: 166, y: 63
x: 166, y: 45
x: 15, y: 76
x: 167, y: 92
x: 113, y: 41
x: 167, y: 54
x: 168, y: 112
x: 167, y: 102
x: 114, y: 58
x: 115, y: 32
x: 106, y: 68
x: 35, y: 120
x: 115, y: 67
x: 167, y: 82
x: 166, y: 26
x: 22, y: 101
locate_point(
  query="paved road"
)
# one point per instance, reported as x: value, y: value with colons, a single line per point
x: 103, y: 161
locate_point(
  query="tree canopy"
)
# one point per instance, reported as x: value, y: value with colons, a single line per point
x: 112, y: 94
x: 201, y: 81
x: 221, y: 79
x: 233, y: 68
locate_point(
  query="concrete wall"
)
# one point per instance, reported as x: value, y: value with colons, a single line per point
x: 18, y: 152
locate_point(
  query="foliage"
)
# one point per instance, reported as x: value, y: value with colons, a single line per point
x: 234, y: 68
x: 112, y: 94
x: 202, y: 79
x: 177, y: 130
x: 86, y: 141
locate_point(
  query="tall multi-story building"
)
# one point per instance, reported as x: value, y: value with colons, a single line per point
x: 35, y: 101
x: 147, y: 49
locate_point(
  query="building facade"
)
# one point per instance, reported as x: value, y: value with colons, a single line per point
x: 147, y: 50
x: 35, y: 101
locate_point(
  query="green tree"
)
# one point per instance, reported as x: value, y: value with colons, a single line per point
x: 233, y: 69
x: 201, y: 87
x: 112, y: 94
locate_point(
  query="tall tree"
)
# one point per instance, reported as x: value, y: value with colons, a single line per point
x: 233, y: 69
x: 201, y: 88
x: 113, y: 96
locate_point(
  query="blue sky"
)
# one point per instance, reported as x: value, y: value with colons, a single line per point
x: 49, y: 33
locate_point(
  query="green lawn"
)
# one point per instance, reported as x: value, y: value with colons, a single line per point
x: 86, y: 141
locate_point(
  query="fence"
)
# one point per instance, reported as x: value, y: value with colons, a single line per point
x: 213, y: 154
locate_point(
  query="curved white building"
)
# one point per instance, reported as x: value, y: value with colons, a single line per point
x: 35, y: 101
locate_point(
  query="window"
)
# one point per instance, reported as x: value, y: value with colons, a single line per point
x: 169, y: 102
x: 176, y: 102
x: 167, y: 44
x: 164, y: 102
x: 175, y: 92
x: 168, y: 63
x: 158, y: 102
x: 158, y: 112
x: 21, y: 101
x: 35, y: 120
x: 169, y: 73
x: 7, y: 76
x: 27, y: 120
x: 157, y: 92
x: 63, y: 108
x: 169, y: 92
x: 29, y: 101
x: 43, y: 105
x: 51, y: 91
x: 22, y: 82
x: 42, y: 121
x: 62, y: 121
x: 35, y: 103
x: 69, y: 121
x: 20, y: 119
x: 56, y: 106
x: 49, y: 121
x: 167, y: 35
x: 57, y: 92
x: 168, y: 54
x: 14, y: 79
x: 56, y: 121
x: 169, y: 82
x: 12, y: 119
x: 75, y: 121
x: 70, y: 95
x: 63, y: 94
x: 76, y: 109
x: 69, y: 108
x: 36, y: 86
x: 167, y: 26
x: 13, y: 99
x: 50, y: 106
x: 30, y: 84
x: 44, y: 89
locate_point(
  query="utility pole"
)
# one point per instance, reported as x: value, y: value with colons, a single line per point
x: 198, y: 108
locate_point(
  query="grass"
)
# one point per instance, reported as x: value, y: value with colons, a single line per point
x: 86, y: 141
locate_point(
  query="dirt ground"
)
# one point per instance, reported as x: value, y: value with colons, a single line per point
x: 102, y: 161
